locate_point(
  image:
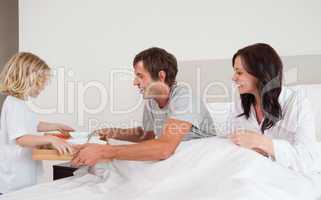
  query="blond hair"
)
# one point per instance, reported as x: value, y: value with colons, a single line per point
x: 23, y: 72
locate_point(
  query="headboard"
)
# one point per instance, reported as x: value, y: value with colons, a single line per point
x: 213, y: 77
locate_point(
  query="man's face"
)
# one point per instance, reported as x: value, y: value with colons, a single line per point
x: 148, y: 87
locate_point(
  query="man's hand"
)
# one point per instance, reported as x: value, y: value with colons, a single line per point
x: 254, y: 141
x: 136, y: 134
x: 105, y: 133
x: 91, y: 154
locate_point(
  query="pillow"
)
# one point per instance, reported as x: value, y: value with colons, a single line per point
x: 221, y: 114
x: 313, y: 93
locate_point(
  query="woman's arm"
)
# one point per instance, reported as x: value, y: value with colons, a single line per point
x: 296, y: 148
x: 301, y: 152
x: 255, y: 141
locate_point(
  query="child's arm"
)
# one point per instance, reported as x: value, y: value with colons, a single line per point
x: 47, y: 126
x: 33, y: 140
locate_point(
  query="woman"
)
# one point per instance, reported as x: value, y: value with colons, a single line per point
x: 269, y: 118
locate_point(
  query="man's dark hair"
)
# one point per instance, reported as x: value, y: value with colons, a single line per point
x: 155, y: 60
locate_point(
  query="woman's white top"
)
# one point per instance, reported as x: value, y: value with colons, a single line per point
x: 17, y: 169
x: 294, y: 136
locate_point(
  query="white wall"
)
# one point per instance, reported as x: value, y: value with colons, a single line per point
x: 92, y: 38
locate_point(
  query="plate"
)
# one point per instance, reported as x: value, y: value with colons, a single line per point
x: 79, y: 134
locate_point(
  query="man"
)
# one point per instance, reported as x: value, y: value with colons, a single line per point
x: 170, y: 116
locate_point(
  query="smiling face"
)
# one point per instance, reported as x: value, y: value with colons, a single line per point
x: 148, y: 87
x: 245, y: 82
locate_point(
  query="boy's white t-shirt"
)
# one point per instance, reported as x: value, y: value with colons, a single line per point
x: 17, y: 169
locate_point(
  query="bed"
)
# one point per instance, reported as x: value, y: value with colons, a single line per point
x: 210, y: 168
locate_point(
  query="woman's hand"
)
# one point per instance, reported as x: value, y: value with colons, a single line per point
x: 254, y: 141
x: 60, y: 145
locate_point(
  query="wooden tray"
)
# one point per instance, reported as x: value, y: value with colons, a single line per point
x: 48, y: 154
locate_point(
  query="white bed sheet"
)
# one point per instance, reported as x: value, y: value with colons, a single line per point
x: 316, y: 180
x: 211, y: 168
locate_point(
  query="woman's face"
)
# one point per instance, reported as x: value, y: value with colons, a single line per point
x: 245, y: 82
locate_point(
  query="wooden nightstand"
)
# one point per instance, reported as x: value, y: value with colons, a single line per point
x: 63, y: 170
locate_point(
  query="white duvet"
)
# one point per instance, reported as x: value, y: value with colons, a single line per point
x: 211, y: 168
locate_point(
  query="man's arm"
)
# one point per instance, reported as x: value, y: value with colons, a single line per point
x: 155, y: 149
x: 131, y: 134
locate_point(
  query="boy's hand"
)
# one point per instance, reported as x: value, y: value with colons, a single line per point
x: 63, y: 128
x: 60, y: 145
